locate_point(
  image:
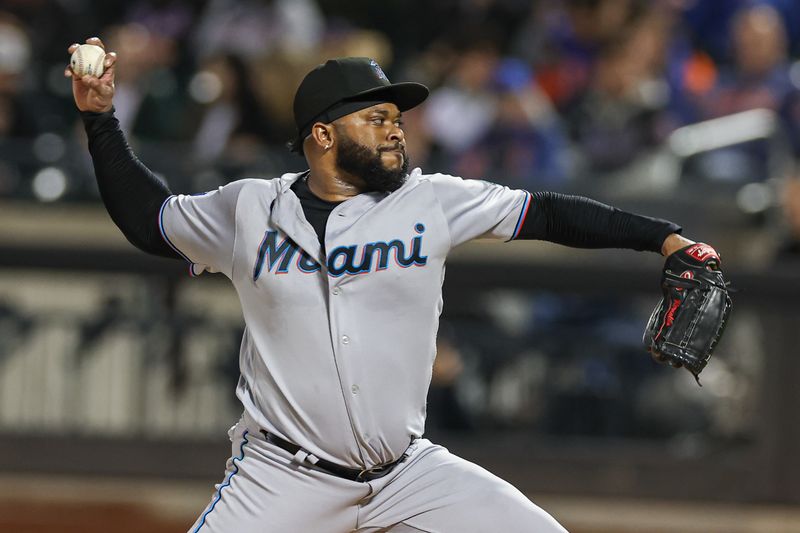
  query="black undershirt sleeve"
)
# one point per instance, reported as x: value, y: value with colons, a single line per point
x: 583, y: 223
x: 132, y: 194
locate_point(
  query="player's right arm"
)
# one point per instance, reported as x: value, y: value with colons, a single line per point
x: 132, y: 194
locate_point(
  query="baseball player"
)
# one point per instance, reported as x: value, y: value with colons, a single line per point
x: 339, y: 271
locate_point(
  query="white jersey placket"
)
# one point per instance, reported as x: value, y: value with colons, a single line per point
x: 347, y: 345
x: 287, y: 214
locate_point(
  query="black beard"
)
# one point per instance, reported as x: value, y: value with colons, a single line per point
x: 360, y: 161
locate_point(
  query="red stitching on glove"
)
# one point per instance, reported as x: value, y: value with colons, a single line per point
x: 670, y: 316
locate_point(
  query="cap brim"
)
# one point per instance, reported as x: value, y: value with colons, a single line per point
x: 405, y: 95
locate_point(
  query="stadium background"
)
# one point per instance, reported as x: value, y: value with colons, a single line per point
x: 117, y: 371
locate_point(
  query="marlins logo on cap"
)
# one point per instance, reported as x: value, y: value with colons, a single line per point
x: 378, y: 70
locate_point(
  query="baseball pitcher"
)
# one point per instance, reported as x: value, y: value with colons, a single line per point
x: 339, y: 271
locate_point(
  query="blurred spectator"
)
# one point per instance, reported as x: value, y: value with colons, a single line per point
x: 497, y: 21
x: 790, y: 199
x: 524, y: 146
x: 15, y: 119
x: 790, y: 13
x: 564, y: 39
x: 15, y: 58
x: 147, y: 102
x: 490, y: 120
x: 173, y: 20
x: 708, y: 25
x: 621, y: 113
x: 47, y: 20
x: 758, y: 78
x: 255, y: 28
x: 759, y: 74
x: 230, y: 121
x: 460, y: 112
x: 168, y: 18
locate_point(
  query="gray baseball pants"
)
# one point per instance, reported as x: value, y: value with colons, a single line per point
x: 432, y: 491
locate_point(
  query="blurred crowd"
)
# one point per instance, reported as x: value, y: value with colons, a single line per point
x: 527, y: 93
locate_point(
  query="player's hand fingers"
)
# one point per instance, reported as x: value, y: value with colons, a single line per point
x: 109, y: 67
x: 68, y: 70
x: 101, y: 86
x: 92, y: 82
x: 96, y: 41
x: 69, y: 73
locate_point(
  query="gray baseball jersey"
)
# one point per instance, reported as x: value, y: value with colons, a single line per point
x: 338, y: 348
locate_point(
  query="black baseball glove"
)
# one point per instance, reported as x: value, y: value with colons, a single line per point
x: 689, y: 320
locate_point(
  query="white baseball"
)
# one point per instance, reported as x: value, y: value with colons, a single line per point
x: 87, y: 60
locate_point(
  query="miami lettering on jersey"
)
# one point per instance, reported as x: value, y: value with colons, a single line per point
x: 351, y: 260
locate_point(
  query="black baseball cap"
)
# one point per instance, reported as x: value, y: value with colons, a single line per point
x: 345, y: 85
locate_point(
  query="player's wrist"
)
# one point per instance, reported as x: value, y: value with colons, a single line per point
x: 673, y: 243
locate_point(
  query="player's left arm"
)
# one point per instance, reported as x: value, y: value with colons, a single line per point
x: 482, y: 209
x: 585, y: 223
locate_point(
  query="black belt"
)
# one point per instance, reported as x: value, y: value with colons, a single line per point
x: 353, y: 474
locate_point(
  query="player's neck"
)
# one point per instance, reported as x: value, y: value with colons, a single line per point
x: 334, y: 185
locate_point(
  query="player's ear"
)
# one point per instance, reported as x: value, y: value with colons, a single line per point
x: 322, y: 135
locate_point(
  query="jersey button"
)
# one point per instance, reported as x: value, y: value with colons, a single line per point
x: 354, y: 389
x: 345, y: 339
x: 336, y: 291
